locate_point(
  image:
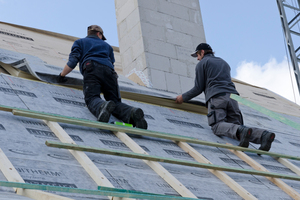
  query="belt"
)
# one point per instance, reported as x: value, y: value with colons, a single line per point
x: 92, y: 63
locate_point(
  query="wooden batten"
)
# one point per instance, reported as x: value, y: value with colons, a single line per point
x: 158, y: 168
x: 82, y: 158
x: 11, y: 174
x: 220, y: 174
x: 112, y: 127
x: 168, y: 160
x: 282, y: 185
x: 289, y: 165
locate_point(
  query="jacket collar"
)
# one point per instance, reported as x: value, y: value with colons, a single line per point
x: 92, y: 36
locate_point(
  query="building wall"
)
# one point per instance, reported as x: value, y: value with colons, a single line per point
x: 156, y: 38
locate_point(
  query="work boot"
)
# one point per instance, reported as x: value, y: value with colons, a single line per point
x: 137, y: 118
x: 266, y: 140
x: 105, y: 111
x: 243, y: 134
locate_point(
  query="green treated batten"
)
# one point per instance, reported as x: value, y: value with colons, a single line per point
x: 102, y: 188
x: 167, y: 160
x: 266, y: 111
x: 116, y: 193
x: 113, y: 127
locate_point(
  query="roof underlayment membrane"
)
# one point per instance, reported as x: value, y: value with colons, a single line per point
x: 23, y: 140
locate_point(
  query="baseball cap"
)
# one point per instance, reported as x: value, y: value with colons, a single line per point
x: 97, y: 28
x: 202, y: 46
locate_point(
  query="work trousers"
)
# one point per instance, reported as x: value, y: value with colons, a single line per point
x: 224, y: 117
x: 100, y: 78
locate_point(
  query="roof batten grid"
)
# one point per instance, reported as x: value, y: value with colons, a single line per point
x: 168, y: 160
x: 286, y: 188
x: 81, y: 157
x: 112, y: 127
x: 11, y: 174
x: 126, y: 194
x: 15, y: 111
x: 157, y: 167
x: 96, y: 174
x: 155, y: 102
x: 220, y: 174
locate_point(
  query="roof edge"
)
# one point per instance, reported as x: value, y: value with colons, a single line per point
x: 244, y: 83
x: 50, y: 33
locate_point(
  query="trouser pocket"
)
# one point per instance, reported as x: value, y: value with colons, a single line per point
x: 211, y: 118
x: 88, y: 66
x: 115, y: 78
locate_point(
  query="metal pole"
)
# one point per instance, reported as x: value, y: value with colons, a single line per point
x: 289, y: 41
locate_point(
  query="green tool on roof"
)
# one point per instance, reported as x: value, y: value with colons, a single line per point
x: 122, y: 124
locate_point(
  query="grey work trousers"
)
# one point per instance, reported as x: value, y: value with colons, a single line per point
x: 224, y: 117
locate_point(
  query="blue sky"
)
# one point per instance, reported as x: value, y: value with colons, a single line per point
x: 244, y: 30
x: 244, y: 33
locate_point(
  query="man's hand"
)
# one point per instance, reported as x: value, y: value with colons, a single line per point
x: 61, y: 79
x: 179, y: 99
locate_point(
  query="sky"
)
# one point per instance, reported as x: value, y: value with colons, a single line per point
x: 247, y: 34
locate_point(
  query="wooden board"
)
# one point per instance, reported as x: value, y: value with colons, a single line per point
x: 168, y: 160
x: 12, y: 175
x: 221, y: 175
x: 158, y: 168
x: 289, y: 165
x: 169, y: 103
x: 286, y: 188
x: 81, y: 157
x: 17, y: 72
x: 117, y: 193
x: 112, y: 127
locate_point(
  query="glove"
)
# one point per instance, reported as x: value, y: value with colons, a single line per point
x: 61, y: 79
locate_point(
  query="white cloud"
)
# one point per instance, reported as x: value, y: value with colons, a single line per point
x: 272, y: 76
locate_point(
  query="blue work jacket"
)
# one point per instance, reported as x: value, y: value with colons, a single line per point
x: 91, y: 48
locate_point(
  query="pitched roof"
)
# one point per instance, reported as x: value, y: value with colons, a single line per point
x: 34, y: 111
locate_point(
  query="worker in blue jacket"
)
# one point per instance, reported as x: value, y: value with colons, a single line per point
x: 224, y: 116
x: 96, y: 64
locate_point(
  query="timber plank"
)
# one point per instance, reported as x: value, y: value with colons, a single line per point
x: 93, y: 192
x: 112, y: 127
x: 158, y: 168
x: 282, y: 185
x: 220, y: 174
x: 168, y: 160
x: 11, y: 174
x: 81, y: 157
x: 289, y: 165
x: 170, y: 103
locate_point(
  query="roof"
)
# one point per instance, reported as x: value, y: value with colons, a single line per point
x: 35, y: 110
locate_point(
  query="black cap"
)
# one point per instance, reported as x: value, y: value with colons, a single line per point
x: 202, y: 46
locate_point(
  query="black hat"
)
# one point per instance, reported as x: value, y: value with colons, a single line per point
x: 202, y: 46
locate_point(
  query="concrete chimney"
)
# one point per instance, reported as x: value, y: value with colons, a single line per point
x: 156, y: 38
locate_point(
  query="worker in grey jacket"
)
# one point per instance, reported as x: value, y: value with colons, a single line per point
x: 224, y: 116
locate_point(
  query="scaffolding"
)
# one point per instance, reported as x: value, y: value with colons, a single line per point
x: 289, y: 11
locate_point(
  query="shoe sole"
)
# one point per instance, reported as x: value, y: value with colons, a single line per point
x: 267, y: 147
x: 245, y: 141
x: 142, y: 123
x: 105, y: 114
x: 138, y: 117
x: 138, y: 114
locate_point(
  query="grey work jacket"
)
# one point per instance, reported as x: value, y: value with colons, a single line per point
x: 212, y: 77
